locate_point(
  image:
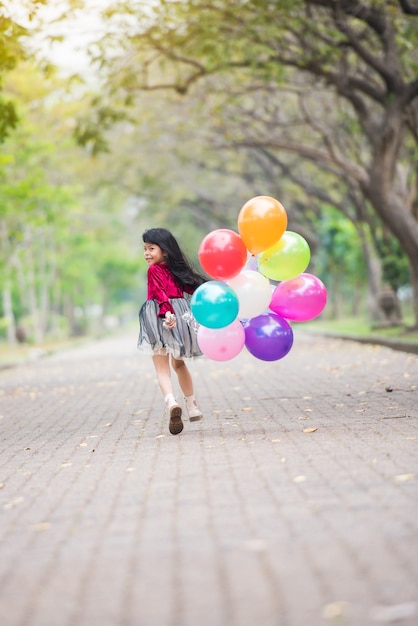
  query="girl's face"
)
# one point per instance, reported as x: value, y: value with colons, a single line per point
x: 153, y: 253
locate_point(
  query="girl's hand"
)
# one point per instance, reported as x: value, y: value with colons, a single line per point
x: 170, y: 320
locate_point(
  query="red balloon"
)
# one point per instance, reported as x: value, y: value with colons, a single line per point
x: 222, y: 254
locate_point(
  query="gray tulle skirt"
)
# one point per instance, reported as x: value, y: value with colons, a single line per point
x: 180, y: 341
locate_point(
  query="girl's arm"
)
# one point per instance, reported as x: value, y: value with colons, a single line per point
x: 157, y: 289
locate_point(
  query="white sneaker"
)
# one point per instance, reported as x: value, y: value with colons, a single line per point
x: 194, y: 413
x: 175, y: 425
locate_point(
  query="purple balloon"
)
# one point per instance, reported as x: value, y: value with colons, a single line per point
x: 299, y: 299
x: 268, y: 337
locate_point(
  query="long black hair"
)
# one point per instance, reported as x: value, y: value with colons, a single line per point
x: 178, y: 263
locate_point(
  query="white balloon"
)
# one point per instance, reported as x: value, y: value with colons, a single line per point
x: 253, y: 291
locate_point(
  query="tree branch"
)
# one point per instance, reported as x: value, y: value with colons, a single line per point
x: 357, y: 173
x: 407, y: 8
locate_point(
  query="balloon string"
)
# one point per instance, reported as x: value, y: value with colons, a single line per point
x: 191, y: 321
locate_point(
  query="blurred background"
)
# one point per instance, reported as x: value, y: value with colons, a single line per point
x: 120, y: 116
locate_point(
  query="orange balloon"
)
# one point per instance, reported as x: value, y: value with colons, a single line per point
x: 261, y: 222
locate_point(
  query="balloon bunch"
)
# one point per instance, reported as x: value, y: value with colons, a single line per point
x: 241, y: 307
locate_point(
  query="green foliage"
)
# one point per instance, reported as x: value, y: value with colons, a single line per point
x: 64, y: 250
x: 395, y: 268
x: 339, y: 252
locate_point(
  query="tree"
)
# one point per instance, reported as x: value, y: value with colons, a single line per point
x: 13, y: 49
x: 361, y: 56
x: 60, y: 230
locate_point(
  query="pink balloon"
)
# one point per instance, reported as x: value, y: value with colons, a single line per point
x: 221, y: 344
x: 299, y: 299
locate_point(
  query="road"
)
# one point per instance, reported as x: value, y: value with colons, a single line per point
x: 293, y: 503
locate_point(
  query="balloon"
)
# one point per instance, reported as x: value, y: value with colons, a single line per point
x: 253, y: 291
x: 214, y: 304
x: 288, y: 258
x: 268, y: 337
x: 222, y: 254
x: 221, y: 344
x: 299, y: 299
x: 261, y: 222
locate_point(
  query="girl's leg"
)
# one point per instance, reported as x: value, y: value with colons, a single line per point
x: 186, y: 384
x: 184, y: 376
x: 162, y: 369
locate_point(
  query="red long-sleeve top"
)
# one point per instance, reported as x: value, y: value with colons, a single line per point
x: 162, y: 286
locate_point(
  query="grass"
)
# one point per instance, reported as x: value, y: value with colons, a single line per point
x: 21, y: 353
x: 360, y: 327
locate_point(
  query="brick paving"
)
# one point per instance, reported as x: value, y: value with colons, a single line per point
x: 244, y: 519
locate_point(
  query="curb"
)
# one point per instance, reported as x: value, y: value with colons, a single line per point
x: 394, y: 344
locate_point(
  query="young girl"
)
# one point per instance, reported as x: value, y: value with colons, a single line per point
x: 164, y: 331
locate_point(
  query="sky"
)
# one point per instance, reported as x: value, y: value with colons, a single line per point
x: 84, y: 27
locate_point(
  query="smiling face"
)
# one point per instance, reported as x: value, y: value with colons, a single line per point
x: 153, y: 253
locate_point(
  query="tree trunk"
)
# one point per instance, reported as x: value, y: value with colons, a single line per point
x: 8, y: 313
x: 380, y: 189
x: 374, y: 275
x: 414, y: 283
x: 33, y: 305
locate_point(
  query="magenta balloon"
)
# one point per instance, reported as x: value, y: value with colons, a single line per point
x: 268, y: 337
x: 299, y: 299
x: 221, y: 344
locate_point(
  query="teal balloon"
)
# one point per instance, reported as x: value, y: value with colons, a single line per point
x: 214, y: 304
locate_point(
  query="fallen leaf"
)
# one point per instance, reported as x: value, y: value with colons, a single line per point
x: 82, y: 445
x: 2, y: 485
x: 403, y: 478
x: 130, y: 469
x: 309, y: 430
x: 12, y: 504
x: 299, y: 479
x: 335, y: 611
x: 40, y: 527
x: 275, y: 440
x: 247, y: 408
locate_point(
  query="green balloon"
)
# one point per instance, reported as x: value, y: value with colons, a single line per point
x: 288, y: 258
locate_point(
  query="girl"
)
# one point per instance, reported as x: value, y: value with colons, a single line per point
x: 164, y: 331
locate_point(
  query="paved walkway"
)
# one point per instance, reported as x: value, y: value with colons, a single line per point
x: 294, y: 503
